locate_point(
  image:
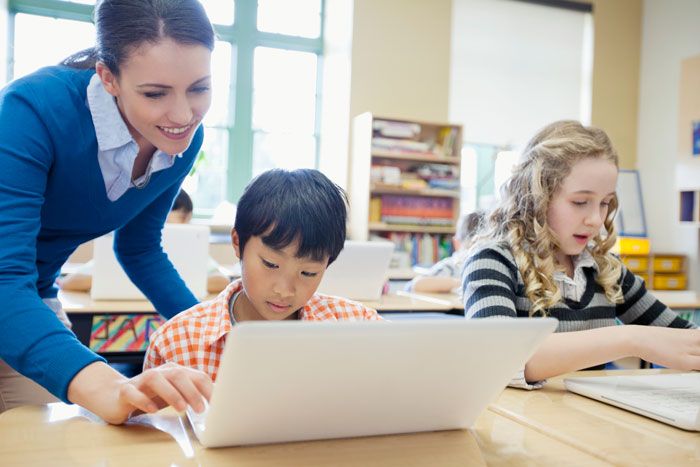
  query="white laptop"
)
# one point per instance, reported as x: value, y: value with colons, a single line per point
x: 187, y: 247
x: 294, y: 380
x: 670, y: 398
x: 359, y: 271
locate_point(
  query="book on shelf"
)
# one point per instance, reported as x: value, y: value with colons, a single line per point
x: 400, y: 145
x: 444, y: 184
x: 448, y: 140
x: 419, y: 207
x: 422, y: 249
x: 418, y: 221
x: 394, y: 129
x: 375, y: 209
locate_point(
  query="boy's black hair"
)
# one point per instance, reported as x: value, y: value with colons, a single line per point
x: 183, y: 202
x: 282, y: 206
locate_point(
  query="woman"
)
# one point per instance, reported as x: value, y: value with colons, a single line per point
x: 99, y: 143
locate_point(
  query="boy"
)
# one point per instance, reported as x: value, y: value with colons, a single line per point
x: 290, y: 226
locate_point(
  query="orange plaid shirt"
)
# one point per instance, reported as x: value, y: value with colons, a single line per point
x: 195, y: 338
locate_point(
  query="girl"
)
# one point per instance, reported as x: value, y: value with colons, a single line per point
x: 100, y: 143
x: 546, y: 252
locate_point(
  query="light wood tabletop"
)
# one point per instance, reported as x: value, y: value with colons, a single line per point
x: 60, y: 434
x: 600, y: 430
x: 81, y: 302
x: 544, y: 427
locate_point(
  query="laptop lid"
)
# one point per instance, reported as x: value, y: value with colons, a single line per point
x: 293, y: 381
x: 359, y: 272
x: 669, y: 398
x: 187, y: 247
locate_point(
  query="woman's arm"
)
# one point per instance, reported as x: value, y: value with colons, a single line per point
x: 571, y: 351
x: 33, y: 340
x: 113, y: 397
x: 139, y: 251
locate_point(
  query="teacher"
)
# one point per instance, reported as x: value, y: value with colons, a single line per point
x: 99, y: 143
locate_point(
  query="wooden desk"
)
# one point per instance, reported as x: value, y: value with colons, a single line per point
x: 610, y: 434
x: 75, y: 303
x: 87, y: 315
x: 59, y: 434
x: 678, y: 299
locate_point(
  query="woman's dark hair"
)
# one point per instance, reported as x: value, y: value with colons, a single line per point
x: 286, y: 206
x: 123, y: 25
x: 183, y: 203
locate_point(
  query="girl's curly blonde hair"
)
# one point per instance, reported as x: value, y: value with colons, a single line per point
x: 520, y: 220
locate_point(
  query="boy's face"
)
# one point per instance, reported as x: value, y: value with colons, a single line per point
x: 179, y: 217
x: 275, y: 282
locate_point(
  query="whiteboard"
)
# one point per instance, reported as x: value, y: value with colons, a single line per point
x: 630, y: 220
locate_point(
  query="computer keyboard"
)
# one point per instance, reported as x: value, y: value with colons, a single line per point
x: 672, y: 398
x: 679, y: 400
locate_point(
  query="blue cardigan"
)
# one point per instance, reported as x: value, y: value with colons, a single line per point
x: 52, y: 199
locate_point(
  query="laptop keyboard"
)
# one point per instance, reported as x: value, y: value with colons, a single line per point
x: 677, y: 400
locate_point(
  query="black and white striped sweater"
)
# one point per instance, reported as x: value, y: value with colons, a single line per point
x: 493, y: 286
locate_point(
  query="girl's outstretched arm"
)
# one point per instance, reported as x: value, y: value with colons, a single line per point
x: 571, y: 351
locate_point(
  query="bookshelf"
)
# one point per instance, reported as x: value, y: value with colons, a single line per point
x: 405, y: 185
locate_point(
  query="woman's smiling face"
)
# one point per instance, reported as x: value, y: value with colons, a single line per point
x: 163, y: 92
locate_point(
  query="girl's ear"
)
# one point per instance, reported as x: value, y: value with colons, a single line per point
x: 109, y: 80
x: 236, y: 242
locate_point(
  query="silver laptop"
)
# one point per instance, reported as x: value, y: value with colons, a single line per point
x: 359, y: 272
x: 187, y: 247
x: 293, y: 381
x: 670, y: 398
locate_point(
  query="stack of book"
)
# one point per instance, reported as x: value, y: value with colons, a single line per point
x: 423, y: 249
x: 416, y: 210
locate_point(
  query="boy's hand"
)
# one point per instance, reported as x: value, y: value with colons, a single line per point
x: 673, y: 348
x: 103, y: 391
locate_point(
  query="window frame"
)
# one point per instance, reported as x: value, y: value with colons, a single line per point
x: 244, y: 37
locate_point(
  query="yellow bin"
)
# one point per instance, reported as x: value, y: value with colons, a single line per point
x: 636, y: 263
x: 632, y: 246
x: 670, y: 281
x: 668, y: 263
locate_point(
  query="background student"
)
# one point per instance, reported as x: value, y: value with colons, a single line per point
x: 289, y: 227
x: 99, y: 143
x: 180, y: 213
x: 445, y: 275
x: 546, y: 251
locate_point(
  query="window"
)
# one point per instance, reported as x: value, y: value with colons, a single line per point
x: 284, y: 135
x: 511, y: 77
x: 30, y: 54
x: 266, y: 75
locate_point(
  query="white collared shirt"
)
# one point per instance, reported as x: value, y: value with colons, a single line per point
x: 117, y: 149
x: 573, y: 288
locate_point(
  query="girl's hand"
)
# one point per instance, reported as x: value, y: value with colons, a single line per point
x: 673, y: 348
x: 103, y: 391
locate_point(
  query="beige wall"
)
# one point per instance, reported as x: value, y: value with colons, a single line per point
x: 616, y: 55
x: 401, y: 58
x: 400, y: 64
